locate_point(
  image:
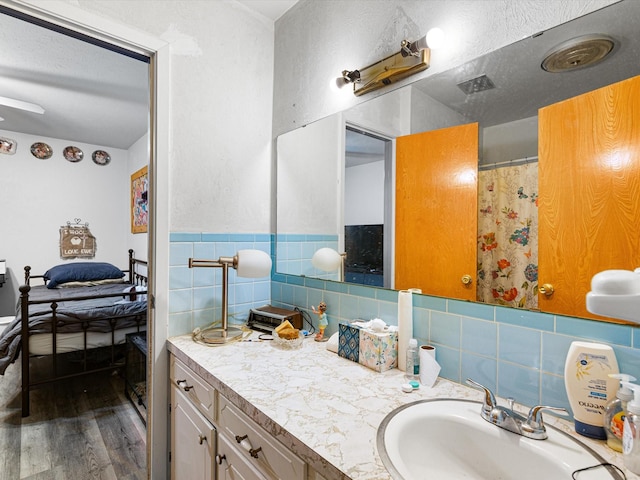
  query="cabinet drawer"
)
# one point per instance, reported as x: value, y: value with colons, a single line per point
x: 231, y: 464
x: 197, y: 390
x: 257, y: 446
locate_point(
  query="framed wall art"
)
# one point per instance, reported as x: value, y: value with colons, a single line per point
x: 139, y: 201
x: 8, y: 146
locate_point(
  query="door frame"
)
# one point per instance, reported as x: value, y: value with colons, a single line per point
x: 73, y: 18
x: 389, y: 196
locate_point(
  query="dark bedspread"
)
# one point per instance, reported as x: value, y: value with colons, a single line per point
x: 71, y: 314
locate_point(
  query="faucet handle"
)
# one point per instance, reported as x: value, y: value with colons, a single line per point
x: 535, y: 424
x: 489, y: 398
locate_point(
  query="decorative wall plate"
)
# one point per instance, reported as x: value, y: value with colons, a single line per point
x: 41, y: 150
x: 73, y: 154
x: 100, y: 157
x: 8, y: 146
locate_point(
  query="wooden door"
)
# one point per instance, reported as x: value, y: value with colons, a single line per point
x: 589, y: 186
x: 436, y: 211
x: 193, y: 440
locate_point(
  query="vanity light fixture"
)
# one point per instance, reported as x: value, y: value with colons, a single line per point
x: 248, y: 264
x: 328, y: 260
x: 412, y: 58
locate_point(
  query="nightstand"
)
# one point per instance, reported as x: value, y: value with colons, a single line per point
x: 135, y: 372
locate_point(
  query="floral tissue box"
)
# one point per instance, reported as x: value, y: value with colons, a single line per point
x: 376, y: 350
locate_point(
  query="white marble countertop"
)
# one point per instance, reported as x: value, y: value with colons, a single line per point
x: 324, y: 408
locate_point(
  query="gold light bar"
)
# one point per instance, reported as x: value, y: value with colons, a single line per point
x: 390, y: 70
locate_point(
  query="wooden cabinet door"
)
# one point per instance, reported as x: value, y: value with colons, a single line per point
x: 193, y: 440
x: 436, y: 211
x: 589, y: 187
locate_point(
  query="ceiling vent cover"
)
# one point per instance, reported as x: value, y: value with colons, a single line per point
x: 476, y: 85
x: 578, y: 52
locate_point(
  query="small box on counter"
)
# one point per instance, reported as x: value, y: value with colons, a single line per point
x: 349, y: 341
x: 375, y: 350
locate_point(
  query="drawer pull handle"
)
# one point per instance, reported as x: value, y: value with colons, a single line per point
x: 183, y: 385
x: 220, y: 458
x: 246, y: 444
x: 202, y: 438
x: 254, y: 453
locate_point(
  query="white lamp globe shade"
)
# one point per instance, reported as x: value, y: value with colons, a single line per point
x: 326, y: 259
x: 435, y: 38
x: 253, y: 264
x: 616, y: 282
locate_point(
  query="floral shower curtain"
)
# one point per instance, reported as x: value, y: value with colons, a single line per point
x: 508, y: 236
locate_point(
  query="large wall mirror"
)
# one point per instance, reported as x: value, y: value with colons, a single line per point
x: 353, y: 182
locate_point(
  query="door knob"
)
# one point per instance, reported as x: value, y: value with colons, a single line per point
x: 546, y: 289
x: 466, y: 279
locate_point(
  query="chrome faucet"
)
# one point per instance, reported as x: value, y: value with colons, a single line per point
x: 531, y: 426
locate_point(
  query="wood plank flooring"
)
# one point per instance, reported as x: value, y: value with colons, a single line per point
x: 83, y: 428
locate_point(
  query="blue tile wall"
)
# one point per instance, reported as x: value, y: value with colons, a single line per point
x: 294, y: 253
x: 516, y: 353
x: 195, y: 294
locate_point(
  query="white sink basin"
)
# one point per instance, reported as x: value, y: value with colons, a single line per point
x: 447, y: 439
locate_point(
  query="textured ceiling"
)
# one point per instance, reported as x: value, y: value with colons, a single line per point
x: 272, y: 9
x: 522, y: 86
x: 89, y: 94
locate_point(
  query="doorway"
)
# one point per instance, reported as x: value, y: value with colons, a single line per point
x: 73, y: 19
x: 368, y: 208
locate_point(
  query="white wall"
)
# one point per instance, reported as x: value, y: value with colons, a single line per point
x: 389, y: 116
x: 510, y: 141
x: 310, y: 173
x: 364, y: 194
x: 428, y: 114
x: 40, y: 196
x: 221, y: 108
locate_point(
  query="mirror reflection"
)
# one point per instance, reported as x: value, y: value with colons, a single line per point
x: 502, y: 92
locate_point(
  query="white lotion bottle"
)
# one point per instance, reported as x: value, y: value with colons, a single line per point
x: 589, y: 387
x: 631, y: 431
x: 413, y: 361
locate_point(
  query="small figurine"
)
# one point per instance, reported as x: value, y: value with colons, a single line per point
x: 322, y: 321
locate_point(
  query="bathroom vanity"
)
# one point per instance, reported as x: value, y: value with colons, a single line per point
x: 306, y: 413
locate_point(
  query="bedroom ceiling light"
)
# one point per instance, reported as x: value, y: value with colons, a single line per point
x: 248, y: 264
x: 20, y: 105
x: 412, y: 58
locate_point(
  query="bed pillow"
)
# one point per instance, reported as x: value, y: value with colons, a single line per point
x: 81, y: 272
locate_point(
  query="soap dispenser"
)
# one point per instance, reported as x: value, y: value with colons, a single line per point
x: 631, y: 431
x: 615, y: 411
